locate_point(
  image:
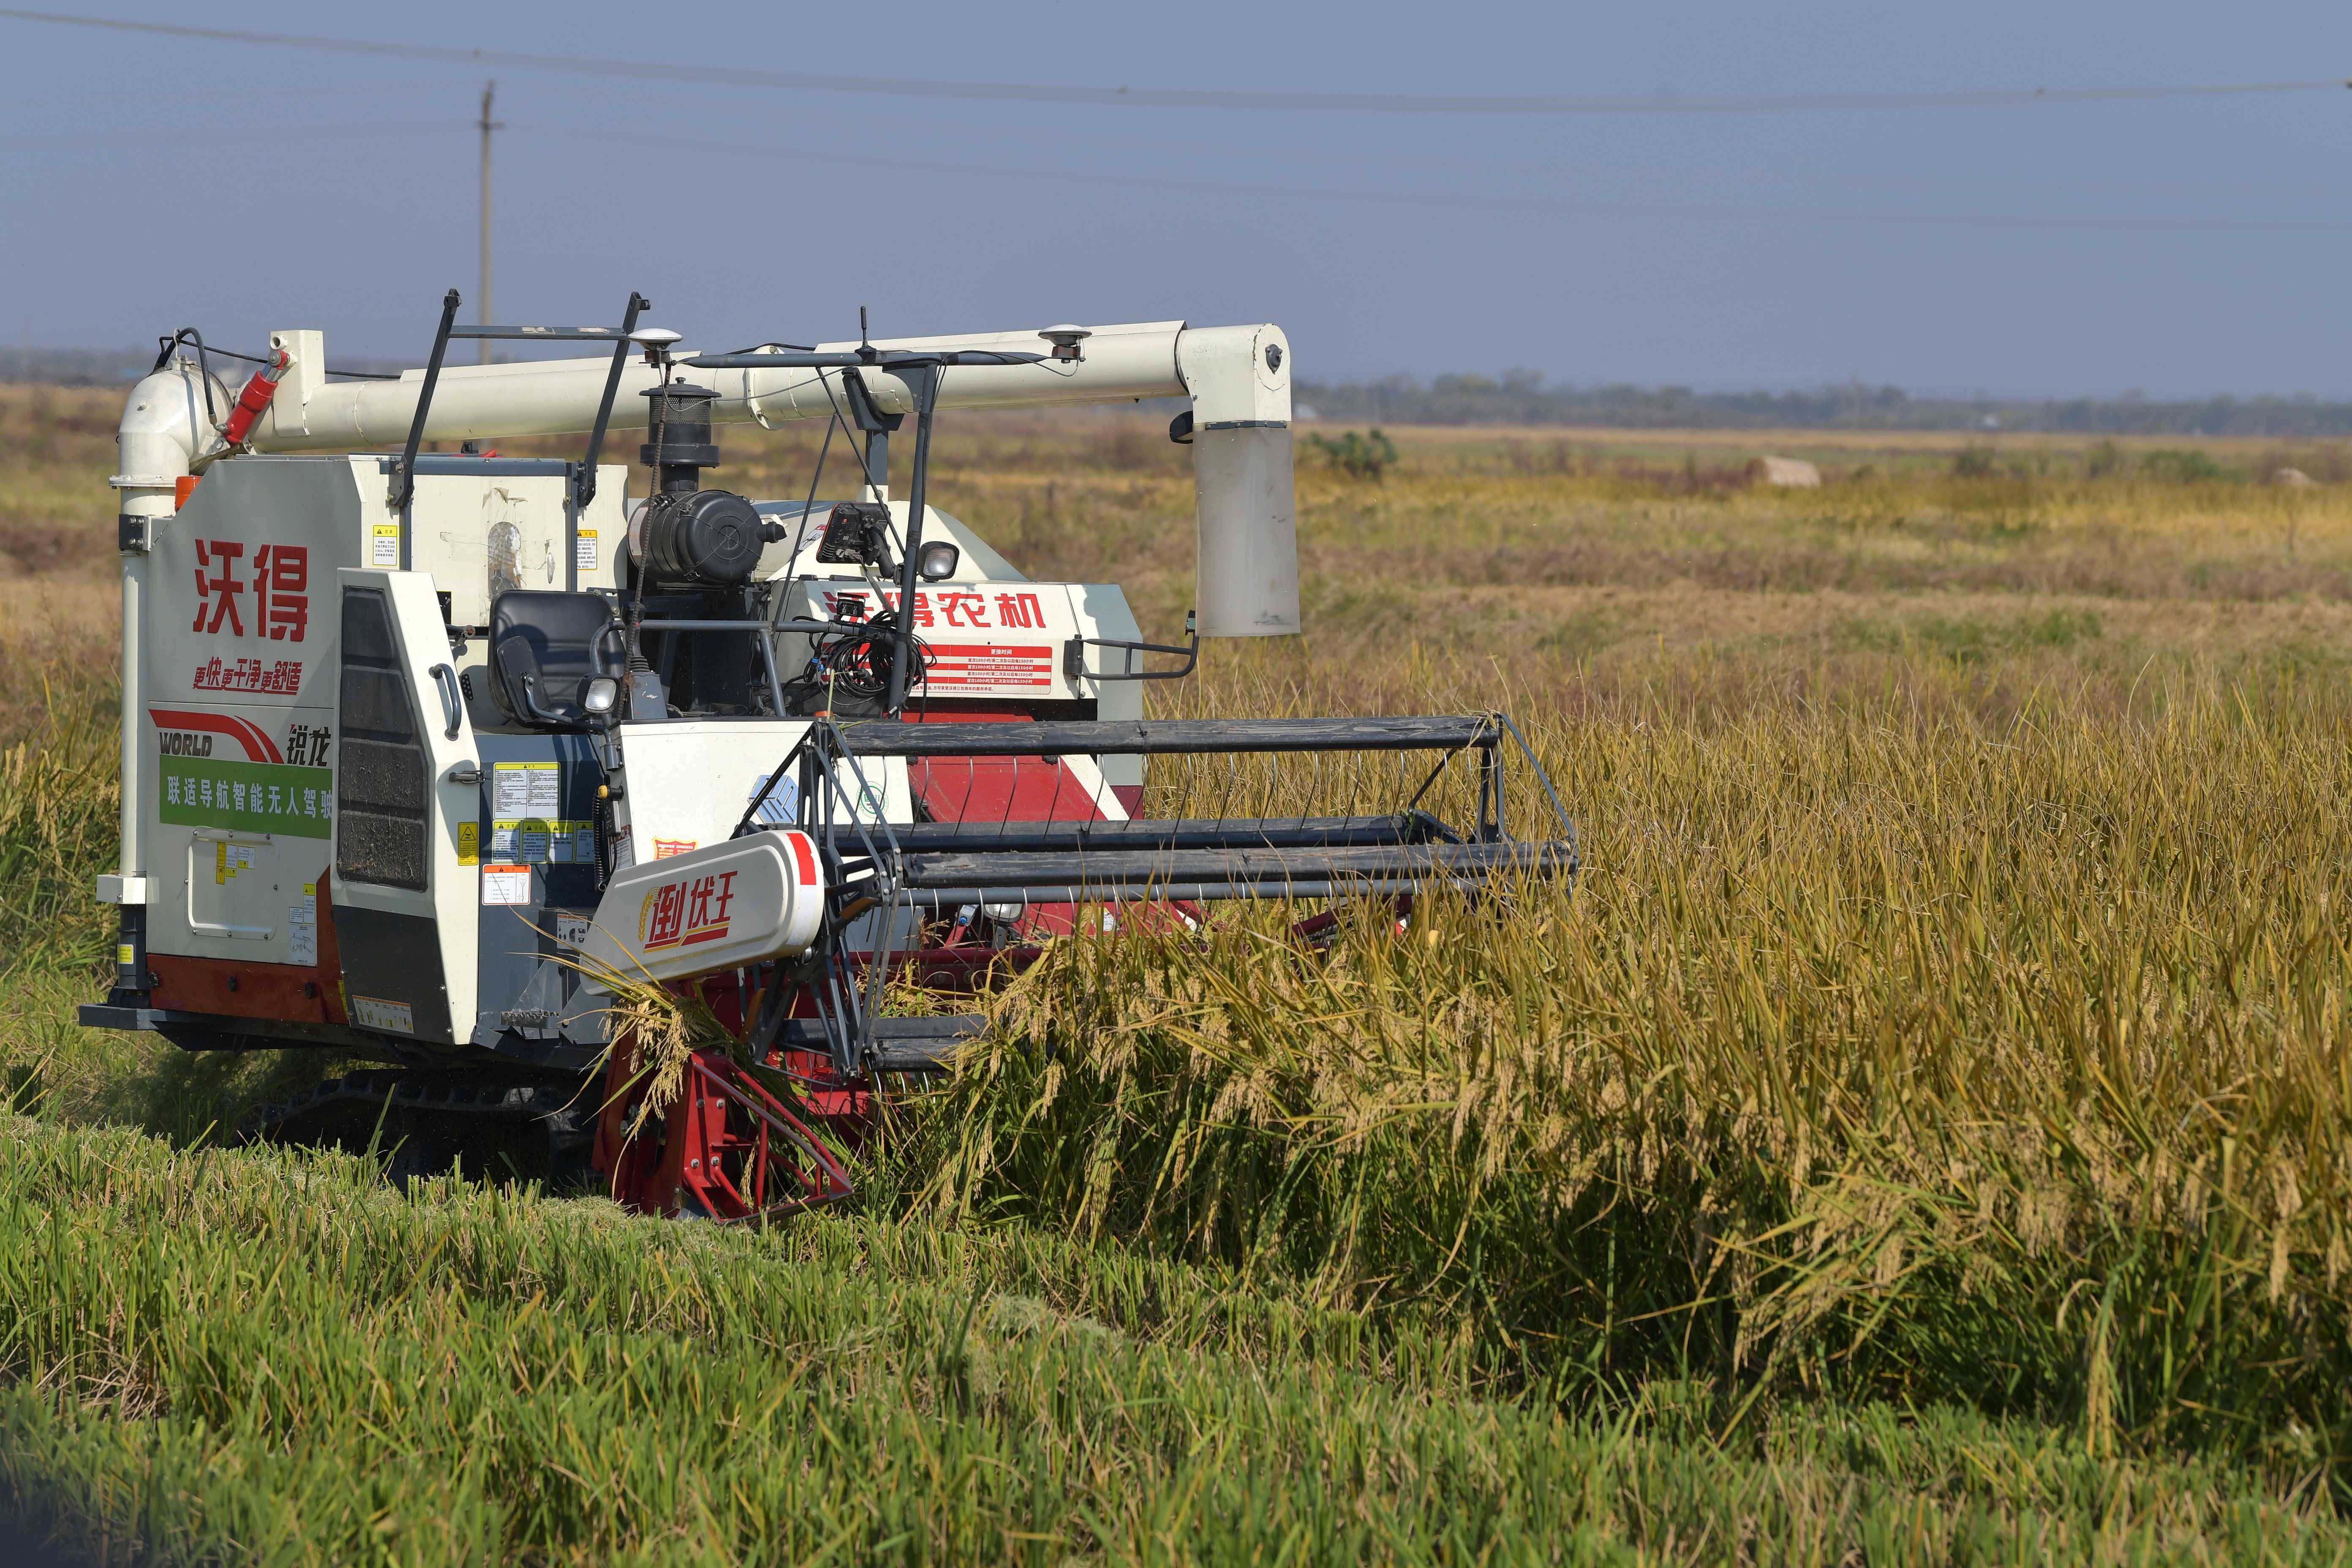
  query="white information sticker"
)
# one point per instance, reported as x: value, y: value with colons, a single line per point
x: 384, y: 545
x: 373, y: 1013
x: 546, y: 789
x: 302, y: 933
x: 510, y: 791
x: 505, y: 884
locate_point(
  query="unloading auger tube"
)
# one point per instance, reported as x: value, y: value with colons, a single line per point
x: 435, y: 758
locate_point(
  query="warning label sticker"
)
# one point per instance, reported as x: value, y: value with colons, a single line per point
x: 384, y: 545
x: 302, y: 932
x: 1020, y: 666
x: 544, y: 841
x: 583, y: 550
x: 525, y: 798
x: 505, y: 884
x: 526, y: 789
x: 374, y: 1013
x: 229, y: 859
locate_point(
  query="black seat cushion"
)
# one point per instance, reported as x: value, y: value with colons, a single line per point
x: 544, y: 650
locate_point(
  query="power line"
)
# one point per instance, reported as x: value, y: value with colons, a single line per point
x: 1180, y: 97
x: 142, y: 139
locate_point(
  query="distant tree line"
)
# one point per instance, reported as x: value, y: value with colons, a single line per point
x: 1520, y: 397
x: 75, y: 367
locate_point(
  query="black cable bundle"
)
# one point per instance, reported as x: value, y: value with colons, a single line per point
x: 852, y: 666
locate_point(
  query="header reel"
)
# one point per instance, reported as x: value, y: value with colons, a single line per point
x: 1019, y: 832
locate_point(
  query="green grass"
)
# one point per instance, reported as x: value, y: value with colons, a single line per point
x: 1923, y: 1136
x: 274, y: 1358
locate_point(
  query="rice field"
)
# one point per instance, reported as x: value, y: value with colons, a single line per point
x: 1922, y: 1136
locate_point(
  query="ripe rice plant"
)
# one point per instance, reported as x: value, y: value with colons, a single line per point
x: 1873, y: 1056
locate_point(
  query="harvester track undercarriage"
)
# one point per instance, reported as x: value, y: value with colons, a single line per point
x: 484, y: 1121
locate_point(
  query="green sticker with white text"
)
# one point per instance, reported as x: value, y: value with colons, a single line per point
x: 258, y: 797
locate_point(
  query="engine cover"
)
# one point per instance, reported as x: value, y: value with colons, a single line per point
x: 741, y: 902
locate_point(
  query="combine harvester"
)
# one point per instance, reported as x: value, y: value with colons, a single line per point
x: 416, y: 745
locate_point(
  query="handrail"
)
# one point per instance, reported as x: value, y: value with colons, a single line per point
x: 403, y: 482
x: 1155, y: 737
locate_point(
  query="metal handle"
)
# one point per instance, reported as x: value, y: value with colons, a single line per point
x: 453, y: 706
x: 1074, y: 657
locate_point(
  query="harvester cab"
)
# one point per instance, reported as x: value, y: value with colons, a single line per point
x: 429, y: 757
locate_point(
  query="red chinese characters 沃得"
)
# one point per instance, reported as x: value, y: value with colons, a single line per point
x: 281, y: 598
x: 281, y: 583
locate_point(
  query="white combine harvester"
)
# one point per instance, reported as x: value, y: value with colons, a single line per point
x: 413, y: 743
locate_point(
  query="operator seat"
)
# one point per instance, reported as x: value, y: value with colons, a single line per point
x: 545, y: 649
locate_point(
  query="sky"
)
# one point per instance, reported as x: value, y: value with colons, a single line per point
x: 2178, y: 247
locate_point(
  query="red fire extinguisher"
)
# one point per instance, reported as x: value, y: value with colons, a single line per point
x: 255, y: 398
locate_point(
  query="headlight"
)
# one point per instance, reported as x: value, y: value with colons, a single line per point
x: 601, y: 693
x: 939, y: 561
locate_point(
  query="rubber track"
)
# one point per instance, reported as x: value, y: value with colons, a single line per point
x: 498, y: 1099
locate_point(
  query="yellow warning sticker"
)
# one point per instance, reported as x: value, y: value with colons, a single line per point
x: 126, y: 953
x: 384, y: 545
x: 469, y: 843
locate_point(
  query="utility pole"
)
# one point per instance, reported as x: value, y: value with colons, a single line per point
x: 482, y: 299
